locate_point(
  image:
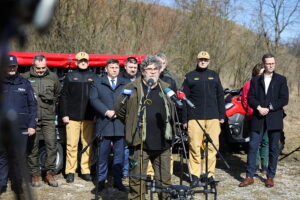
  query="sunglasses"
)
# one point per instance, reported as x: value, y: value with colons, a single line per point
x: 82, y: 60
x: 203, y: 60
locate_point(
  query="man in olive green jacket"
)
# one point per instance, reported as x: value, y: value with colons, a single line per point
x: 156, y: 134
x: 47, y: 88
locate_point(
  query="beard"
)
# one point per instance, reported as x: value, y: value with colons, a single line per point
x: 155, y: 79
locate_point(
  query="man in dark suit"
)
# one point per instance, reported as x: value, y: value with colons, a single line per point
x: 267, y: 96
x: 103, y: 96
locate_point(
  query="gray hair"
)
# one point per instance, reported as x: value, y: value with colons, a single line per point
x: 149, y: 60
x: 39, y: 57
x: 162, y: 56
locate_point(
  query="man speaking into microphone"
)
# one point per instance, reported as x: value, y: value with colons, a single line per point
x: 158, y: 126
x: 203, y: 88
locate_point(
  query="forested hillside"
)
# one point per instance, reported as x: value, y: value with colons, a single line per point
x: 134, y: 27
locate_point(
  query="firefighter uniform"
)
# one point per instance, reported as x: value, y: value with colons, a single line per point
x: 203, y: 88
x: 75, y: 104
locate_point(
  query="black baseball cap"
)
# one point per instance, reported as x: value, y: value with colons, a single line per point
x: 12, y: 60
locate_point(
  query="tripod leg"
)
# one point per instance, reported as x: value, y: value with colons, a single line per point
x: 181, y: 164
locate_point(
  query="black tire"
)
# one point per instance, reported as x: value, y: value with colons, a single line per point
x: 59, y: 158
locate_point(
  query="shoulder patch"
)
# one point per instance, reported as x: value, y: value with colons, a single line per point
x: 21, y: 89
x: 196, y: 78
x: 211, y: 78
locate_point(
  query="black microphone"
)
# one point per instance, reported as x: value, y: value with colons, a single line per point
x: 150, y: 82
x: 171, y: 94
x: 126, y: 93
x: 182, y: 96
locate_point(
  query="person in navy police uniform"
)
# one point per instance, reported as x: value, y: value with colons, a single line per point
x: 18, y: 96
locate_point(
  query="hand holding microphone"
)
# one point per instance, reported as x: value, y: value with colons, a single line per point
x: 182, y: 96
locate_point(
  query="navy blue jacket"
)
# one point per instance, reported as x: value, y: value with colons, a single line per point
x: 277, y: 96
x: 103, y: 98
x: 204, y: 89
x: 19, y: 96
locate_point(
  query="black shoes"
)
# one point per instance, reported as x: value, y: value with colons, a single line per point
x: 86, y: 177
x: 195, y: 181
x: 101, y: 186
x: 121, y: 187
x: 70, y: 178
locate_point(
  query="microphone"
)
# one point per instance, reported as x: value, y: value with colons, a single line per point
x: 182, y: 96
x: 126, y: 93
x: 171, y: 94
x: 150, y: 82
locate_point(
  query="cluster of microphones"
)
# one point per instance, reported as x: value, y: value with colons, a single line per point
x: 176, y: 98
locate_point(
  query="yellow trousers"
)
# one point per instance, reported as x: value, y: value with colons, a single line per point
x: 76, y: 130
x: 195, y: 137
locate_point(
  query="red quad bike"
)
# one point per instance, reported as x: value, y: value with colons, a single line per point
x: 234, y: 135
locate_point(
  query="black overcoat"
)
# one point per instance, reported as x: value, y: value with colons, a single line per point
x: 277, y: 96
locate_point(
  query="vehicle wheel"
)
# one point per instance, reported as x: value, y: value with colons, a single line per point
x: 59, y: 158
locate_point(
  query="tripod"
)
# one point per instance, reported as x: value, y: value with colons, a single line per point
x: 181, y: 136
x: 207, y: 181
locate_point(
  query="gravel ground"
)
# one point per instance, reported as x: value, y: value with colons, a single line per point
x: 287, y: 185
x: 287, y: 181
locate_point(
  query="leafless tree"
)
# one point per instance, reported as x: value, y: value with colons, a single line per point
x: 274, y: 17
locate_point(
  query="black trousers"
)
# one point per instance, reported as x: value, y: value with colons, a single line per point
x: 12, y: 159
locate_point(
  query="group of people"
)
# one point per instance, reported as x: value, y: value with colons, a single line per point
x: 139, y: 125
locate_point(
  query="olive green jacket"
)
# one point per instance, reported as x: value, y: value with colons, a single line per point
x: 47, y: 89
x: 128, y: 113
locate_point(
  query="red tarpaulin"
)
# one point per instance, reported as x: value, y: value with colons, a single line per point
x: 65, y: 60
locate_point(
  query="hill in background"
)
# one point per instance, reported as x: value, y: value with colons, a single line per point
x: 129, y: 27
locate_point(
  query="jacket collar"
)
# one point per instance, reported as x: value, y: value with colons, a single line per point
x: 14, y: 80
x: 32, y: 73
x: 262, y: 81
x: 120, y: 81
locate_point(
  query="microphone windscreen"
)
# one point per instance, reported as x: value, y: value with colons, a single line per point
x: 180, y: 95
x: 127, y: 92
x: 150, y: 82
x: 169, y: 92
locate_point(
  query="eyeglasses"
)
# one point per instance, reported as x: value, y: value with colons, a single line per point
x: 151, y: 69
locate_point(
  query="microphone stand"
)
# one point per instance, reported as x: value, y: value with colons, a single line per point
x: 141, y: 133
x: 184, y: 149
x: 209, y: 140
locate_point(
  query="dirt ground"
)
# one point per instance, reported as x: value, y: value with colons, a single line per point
x: 287, y: 181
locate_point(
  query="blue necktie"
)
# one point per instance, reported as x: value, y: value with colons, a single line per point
x: 113, y: 85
